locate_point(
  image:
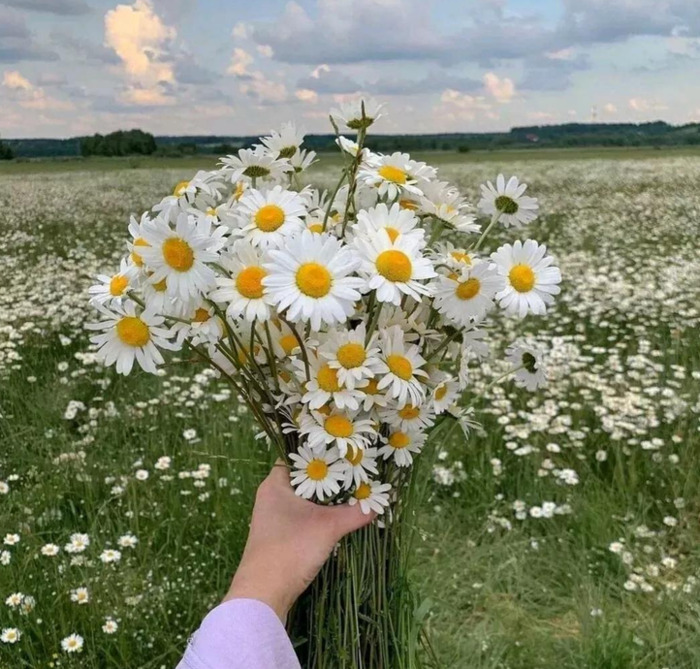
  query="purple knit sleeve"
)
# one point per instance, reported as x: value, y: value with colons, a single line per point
x: 240, y: 634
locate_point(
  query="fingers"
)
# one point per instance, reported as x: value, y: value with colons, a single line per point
x: 348, y: 518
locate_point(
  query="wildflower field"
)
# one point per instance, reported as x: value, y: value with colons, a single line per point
x: 562, y: 534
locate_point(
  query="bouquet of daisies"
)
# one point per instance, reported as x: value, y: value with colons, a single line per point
x: 347, y: 321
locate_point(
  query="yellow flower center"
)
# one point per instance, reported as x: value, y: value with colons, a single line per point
x: 160, y: 286
x: 354, y: 456
x: 118, y: 285
x: 351, y: 355
x: 394, y: 265
x: 468, y: 289
x: 328, y: 379
x: 440, y: 392
x: 178, y: 254
x: 316, y: 227
x: 371, y: 387
x: 212, y: 212
x: 393, y: 233
x: 240, y: 189
x: 409, y: 412
x: 269, y: 217
x: 459, y: 256
x: 314, y: 280
x: 317, y: 470
x: 522, y: 278
x: 391, y: 173
x: 180, y: 188
x: 399, y: 440
x: 363, y: 491
x: 338, y: 426
x: 132, y: 331
x: 249, y: 282
x: 138, y: 260
x: 411, y: 205
x: 288, y: 343
x: 200, y: 316
x: 400, y: 366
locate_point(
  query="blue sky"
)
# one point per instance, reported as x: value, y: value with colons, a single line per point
x: 70, y: 67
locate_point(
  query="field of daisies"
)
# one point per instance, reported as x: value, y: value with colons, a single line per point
x: 562, y: 533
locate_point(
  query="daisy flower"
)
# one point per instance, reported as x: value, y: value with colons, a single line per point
x: 395, y: 222
x: 136, y: 229
x: 371, y: 496
x: 156, y: 296
x: 254, y: 164
x: 357, y: 114
x: 360, y: 462
x: 344, y: 430
x: 286, y: 142
x: 127, y: 336
x: 110, y: 626
x: 202, y: 192
x: 409, y: 418
x: 347, y: 353
x: 453, y: 257
x: 316, y: 473
x: 10, y: 635
x: 180, y: 255
x: 115, y: 287
x: 445, y: 394
x: 468, y: 296
x: 80, y: 596
x: 205, y: 326
x: 400, y: 369
x: 507, y: 202
x: 444, y: 202
x: 348, y: 145
x: 528, y: 365
x: 242, y: 290
x: 394, y: 269
x: 531, y: 281
x: 268, y: 218
x: 309, y: 279
x: 373, y: 397
x: 395, y: 174
x: 324, y: 386
x: 302, y: 160
x: 72, y: 644
x: 401, y: 446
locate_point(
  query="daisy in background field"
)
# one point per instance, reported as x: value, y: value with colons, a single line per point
x: 115, y: 287
x: 10, y: 635
x: 401, y: 371
x: 324, y: 385
x: 308, y: 279
x: 357, y: 114
x: 394, y: 269
x: 531, y: 281
x: 180, y: 256
x: 346, y: 352
x: 242, y: 291
x: 255, y: 164
x: 110, y: 625
x: 348, y: 431
x: 395, y: 174
x: 126, y: 336
x: 444, y: 202
x: 268, y: 218
x: 80, y: 596
x: 316, y: 473
x: 467, y: 296
x: 506, y: 200
x: 73, y: 643
x: 528, y: 364
x: 286, y: 142
x: 359, y: 464
x: 371, y: 496
x: 396, y: 222
x: 401, y: 446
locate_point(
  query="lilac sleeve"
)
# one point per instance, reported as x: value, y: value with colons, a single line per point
x: 240, y: 634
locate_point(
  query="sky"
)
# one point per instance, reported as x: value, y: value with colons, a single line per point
x: 235, y: 67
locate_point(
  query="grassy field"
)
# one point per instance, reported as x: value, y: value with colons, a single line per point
x: 563, y: 536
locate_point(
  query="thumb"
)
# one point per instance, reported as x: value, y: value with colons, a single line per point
x: 348, y: 518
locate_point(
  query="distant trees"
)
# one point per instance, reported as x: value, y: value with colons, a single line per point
x: 6, y: 153
x: 120, y: 143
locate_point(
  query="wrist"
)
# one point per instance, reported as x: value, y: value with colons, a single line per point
x: 247, y: 585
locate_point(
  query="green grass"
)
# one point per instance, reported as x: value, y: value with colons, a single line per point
x: 504, y: 593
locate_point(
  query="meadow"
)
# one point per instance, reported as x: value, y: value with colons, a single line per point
x: 562, y: 534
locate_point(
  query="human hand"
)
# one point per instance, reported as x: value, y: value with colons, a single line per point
x: 289, y: 540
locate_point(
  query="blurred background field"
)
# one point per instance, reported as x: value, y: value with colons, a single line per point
x: 563, y: 535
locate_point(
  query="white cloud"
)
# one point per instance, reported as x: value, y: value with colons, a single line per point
x: 318, y: 71
x: 29, y: 96
x: 262, y: 89
x: 239, y: 63
x: 644, y: 105
x: 502, y: 90
x: 145, y: 97
x: 265, y: 50
x: 13, y: 80
x: 241, y: 31
x: 458, y: 106
x: 306, y: 95
x: 610, y: 108
x: 562, y: 54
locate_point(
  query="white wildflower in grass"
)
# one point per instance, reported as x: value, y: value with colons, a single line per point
x: 10, y: 635
x: 72, y: 643
x: 316, y: 473
x: 80, y: 596
x: 127, y: 541
x: 5, y: 558
x: 531, y: 279
x: 110, y: 625
x: 50, y: 550
x: 14, y: 600
x: 528, y: 366
x: 11, y: 539
x: 110, y: 556
x: 372, y: 496
x: 4, y: 488
x: 507, y: 202
x: 78, y: 543
x: 268, y: 218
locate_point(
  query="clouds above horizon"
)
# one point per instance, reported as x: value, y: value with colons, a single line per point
x: 200, y: 66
